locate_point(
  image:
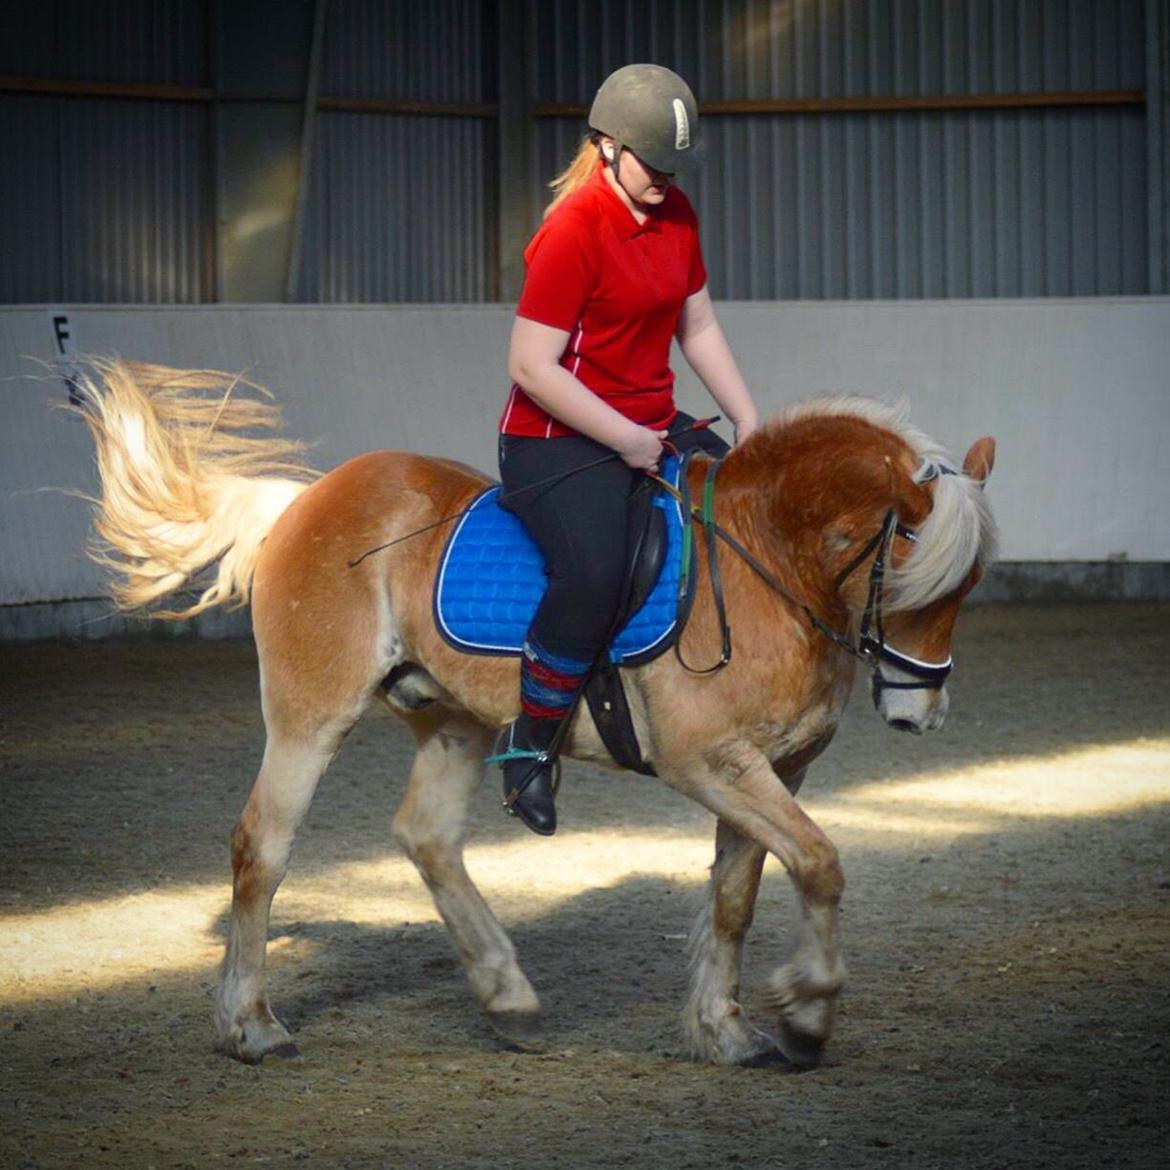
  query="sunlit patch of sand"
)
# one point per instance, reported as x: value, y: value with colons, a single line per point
x: 158, y: 933
x: 1088, y: 782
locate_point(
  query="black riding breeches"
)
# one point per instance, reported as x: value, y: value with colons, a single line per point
x: 579, y: 522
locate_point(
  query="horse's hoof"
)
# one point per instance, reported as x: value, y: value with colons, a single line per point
x: 252, y: 1042
x: 806, y: 1014
x: 764, y: 1055
x: 519, y: 1031
x: 800, y: 1049
x: 733, y: 1042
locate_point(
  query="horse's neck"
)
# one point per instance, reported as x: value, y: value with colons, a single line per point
x: 769, y: 514
x: 785, y: 497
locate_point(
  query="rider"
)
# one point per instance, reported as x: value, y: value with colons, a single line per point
x: 614, y: 272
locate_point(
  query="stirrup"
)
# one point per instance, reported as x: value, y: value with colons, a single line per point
x: 540, y: 758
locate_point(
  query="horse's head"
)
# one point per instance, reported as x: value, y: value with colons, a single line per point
x: 879, y: 537
x: 904, y: 585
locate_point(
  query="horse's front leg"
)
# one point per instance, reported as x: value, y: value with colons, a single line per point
x: 740, y: 787
x: 716, y: 1026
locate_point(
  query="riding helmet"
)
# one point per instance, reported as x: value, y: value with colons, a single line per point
x: 650, y: 110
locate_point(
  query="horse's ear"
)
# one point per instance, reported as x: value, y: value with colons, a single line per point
x: 910, y: 500
x: 980, y: 459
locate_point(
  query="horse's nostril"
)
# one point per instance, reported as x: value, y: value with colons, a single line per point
x: 906, y: 725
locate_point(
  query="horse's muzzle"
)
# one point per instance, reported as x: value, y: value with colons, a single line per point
x: 915, y: 709
x: 905, y: 725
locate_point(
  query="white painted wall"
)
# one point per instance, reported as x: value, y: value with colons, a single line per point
x: 1076, y: 392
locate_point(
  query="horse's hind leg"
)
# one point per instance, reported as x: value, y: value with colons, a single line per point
x: 716, y: 1025
x: 261, y: 843
x: 431, y: 825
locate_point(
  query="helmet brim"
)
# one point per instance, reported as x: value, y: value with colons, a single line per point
x: 673, y: 162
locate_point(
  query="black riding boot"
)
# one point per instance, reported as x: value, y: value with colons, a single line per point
x: 531, y: 773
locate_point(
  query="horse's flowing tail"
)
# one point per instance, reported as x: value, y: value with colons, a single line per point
x: 183, y: 486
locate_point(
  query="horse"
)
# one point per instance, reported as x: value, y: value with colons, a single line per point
x: 859, y: 537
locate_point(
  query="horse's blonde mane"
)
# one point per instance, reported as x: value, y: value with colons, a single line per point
x: 959, y: 531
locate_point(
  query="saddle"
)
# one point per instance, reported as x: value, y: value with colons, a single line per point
x: 491, y: 579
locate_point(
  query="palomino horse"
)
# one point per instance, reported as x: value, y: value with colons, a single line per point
x: 819, y: 496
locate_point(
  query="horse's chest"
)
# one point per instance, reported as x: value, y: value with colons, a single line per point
x: 804, y: 735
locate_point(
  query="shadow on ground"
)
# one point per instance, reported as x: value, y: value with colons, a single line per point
x: 1006, y: 1005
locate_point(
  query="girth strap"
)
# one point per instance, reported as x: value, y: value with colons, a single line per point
x: 711, y: 531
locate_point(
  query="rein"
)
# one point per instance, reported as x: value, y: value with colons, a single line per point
x: 871, y: 647
x: 552, y: 479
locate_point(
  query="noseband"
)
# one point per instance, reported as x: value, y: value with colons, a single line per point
x: 871, y: 646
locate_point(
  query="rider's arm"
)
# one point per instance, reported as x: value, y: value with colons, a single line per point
x: 534, y: 365
x: 700, y: 337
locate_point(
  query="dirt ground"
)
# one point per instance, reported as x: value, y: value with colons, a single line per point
x: 1007, y: 922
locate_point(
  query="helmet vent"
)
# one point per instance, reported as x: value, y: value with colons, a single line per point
x: 682, y: 126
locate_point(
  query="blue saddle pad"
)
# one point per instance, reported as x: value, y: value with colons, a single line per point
x: 491, y: 580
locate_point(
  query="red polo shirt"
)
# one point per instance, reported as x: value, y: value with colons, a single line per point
x: 617, y: 287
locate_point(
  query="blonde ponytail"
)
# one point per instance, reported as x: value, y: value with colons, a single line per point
x: 576, y: 174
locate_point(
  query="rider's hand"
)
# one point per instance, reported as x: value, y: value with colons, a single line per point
x: 643, y: 449
x: 743, y: 429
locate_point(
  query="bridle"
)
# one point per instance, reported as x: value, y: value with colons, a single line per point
x: 871, y: 646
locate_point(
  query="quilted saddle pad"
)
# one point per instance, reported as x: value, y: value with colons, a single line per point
x: 491, y: 580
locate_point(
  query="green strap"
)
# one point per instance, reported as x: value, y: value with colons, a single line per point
x: 705, y: 515
x: 709, y: 494
x: 688, y: 543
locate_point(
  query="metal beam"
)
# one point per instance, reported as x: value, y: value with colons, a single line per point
x: 408, y: 107
x: 1158, y: 142
x: 879, y: 105
x: 50, y: 87
x: 514, y: 146
x: 56, y: 87
x: 305, y: 162
x: 262, y: 63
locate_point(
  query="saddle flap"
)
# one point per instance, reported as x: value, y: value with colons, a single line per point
x: 647, y: 542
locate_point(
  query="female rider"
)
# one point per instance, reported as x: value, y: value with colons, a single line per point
x: 613, y: 274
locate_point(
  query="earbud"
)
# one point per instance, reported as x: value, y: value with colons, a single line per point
x: 607, y: 150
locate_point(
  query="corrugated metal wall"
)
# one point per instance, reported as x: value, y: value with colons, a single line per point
x: 401, y: 206
x: 1028, y: 202
x: 424, y: 51
x: 397, y: 211
x: 114, y: 200
x: 978, y: 204
x: 155, y: 42
x: 104, y: 200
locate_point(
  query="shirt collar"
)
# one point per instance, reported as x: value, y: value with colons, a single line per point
x: 620, y: 216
